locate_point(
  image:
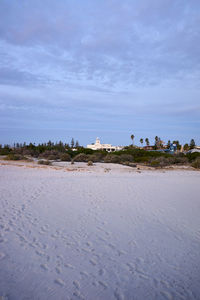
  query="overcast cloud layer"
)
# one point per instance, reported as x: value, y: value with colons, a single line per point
x: 99, y: 68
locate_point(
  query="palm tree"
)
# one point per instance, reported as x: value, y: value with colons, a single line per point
x: 132, y: 137
x: 147, y: 141
x: 141, y: 141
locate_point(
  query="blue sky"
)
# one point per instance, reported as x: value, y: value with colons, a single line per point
x: 104, y: 68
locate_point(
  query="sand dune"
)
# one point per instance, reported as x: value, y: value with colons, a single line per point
x: 99, y: 234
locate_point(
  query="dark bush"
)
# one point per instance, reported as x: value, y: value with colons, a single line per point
x: 112, y: 158
x: 196, y: 163
x: 179, y: 160
x: 12, y: 156
x: 161, y: 162
x: 44, y: 162
x: 97, y: 157
x: 46, y: 154
x: 81, y: 157
x: 65, y: 157
x: 142, y: 159
x: 192, y: 156
x: 155, y: 163
x: 126, y: 158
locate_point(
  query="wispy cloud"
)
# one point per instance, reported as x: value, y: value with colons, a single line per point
x: 99, y: 64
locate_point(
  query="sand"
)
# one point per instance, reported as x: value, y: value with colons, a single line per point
x: 100, y: 232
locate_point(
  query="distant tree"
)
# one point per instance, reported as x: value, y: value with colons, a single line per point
x: 186, y: 147
x: 49, y: 143
x: 77, y: 144
x: 67, y: 145
x: 132, y: 137
x: 177, y: 144
x: 147, y: 141
x: 156, y: 142
x: 168, y: 144
x: 192, y: 144
x: 72, y: 143
x: 141, y: 141
x: 60, y: 144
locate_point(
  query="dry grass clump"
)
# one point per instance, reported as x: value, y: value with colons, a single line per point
x: 90, y: 163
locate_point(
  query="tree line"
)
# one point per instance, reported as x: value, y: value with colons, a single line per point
x: 159, y: 144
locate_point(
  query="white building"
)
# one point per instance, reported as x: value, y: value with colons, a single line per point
x: 108, y: 147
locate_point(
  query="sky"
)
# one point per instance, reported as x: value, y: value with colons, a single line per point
x: 105, y: 68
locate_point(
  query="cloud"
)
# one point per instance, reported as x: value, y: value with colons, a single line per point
x: 93, y: 63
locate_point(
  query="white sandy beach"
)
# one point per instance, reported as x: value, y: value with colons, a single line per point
x: 100, y: 232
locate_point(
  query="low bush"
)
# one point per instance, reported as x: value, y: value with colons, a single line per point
x: 81, y: 157
x: 161, y: 162
x: 142, y: 159
x: 90, y: 163
x: 97, y: 157
x: 196, y: 163
x: 112, y: 158
x: 49, y: 154
x: 65, y: 157
x: 44, y: 162
x: 12, y: 156
x: 126, y: 158
x: 154, y: 163
x: 192, y: 156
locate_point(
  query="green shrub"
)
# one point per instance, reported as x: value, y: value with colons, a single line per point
x: 192, y: 156
x: 196, y: 163
x: 65, y: 157
x: 112, y: 158
x: 97, y: 157
x: 154, y: 163
x: 126, y: 158
x: 52, y: 154
x: 161, y: 162
x: 142, y: 159
x: 81, y: 157
x: 12, y: 156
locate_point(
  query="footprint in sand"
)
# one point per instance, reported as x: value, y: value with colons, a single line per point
x: 58, y: 270
x: 44, y: 267
x: 118, y: 295
x: 93, y: 262
x: 103, y: 284
x: 76, y: 284
x: 59, y: 282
